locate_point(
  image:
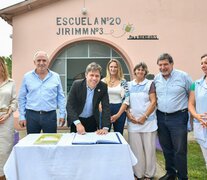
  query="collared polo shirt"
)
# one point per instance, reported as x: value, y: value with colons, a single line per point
x: 172, y: 93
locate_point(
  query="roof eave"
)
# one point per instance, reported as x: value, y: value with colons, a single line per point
x: 23, y: 7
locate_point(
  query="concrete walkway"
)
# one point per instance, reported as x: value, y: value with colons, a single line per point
x: 159, y: 171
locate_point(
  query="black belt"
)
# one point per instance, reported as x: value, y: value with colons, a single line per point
x: 173, y: 113
x: 86, y: 117
x: 41, y: 112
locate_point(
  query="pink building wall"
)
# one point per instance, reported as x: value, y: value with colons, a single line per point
x: 181, y: 27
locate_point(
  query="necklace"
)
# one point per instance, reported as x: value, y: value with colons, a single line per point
x: 112, y: 83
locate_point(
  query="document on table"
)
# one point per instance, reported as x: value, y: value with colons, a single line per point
x: 48, y: 139
x: 93, y: 138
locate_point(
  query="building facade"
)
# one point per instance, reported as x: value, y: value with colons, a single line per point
x: 77, y: 32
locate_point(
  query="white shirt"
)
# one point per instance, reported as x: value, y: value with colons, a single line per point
x: 8, y: 95
x: 115, y: 94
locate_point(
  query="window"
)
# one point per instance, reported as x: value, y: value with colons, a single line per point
x: 71, y: 62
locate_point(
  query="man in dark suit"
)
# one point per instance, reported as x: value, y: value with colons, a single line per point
x: 83, y: 103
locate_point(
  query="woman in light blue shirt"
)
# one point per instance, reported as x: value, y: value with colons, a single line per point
x: 198, y: 108
x: 142, y: 122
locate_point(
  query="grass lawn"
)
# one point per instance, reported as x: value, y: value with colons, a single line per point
x: 196, y: 165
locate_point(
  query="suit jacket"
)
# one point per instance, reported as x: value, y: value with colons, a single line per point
x: 77, y: 99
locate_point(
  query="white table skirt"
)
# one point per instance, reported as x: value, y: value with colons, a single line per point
x: 65, y: 161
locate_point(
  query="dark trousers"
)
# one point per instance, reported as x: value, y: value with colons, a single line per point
x: 89, y: 124
x: 172, y: 133
x: 118, y: 125
x: 41, y: 120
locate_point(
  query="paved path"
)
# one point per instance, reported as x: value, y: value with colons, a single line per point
x: 160, y: 171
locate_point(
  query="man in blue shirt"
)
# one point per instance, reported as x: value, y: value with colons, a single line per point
x: 83, y: 103
x: 172, y: 89
x: 40, y: 95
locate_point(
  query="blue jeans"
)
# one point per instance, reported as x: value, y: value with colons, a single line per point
x: 36, y: 121
x: 118, y: 125
x: 172, y: 133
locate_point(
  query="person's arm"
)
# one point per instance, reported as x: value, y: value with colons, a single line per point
x: 102, y: 131
x: 71, y: 104
x: 80, y: 128
x: 22, y: 104
x: 188, y: 83
x: 152, y: 105
x: 192, y: 110
x: 125, y: 92
x: 13, y: 102
x: 125, y: 99
x: 5, y: 116
x: 131, y: 117
x: 192, y: 105
x: 12, y: 105
x: 119, y: 113
x: 72, y: 114
x: 150, y: 109
x: 61, y: 103
x: 105, y: 108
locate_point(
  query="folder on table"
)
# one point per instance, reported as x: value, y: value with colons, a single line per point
x: 48, y: 139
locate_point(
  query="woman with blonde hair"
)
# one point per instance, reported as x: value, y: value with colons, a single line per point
x: 8, y: 104
x: 118, y: 94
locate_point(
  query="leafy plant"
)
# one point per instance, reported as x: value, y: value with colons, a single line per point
x: 8, y: 61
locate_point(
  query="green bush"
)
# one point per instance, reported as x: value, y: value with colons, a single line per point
x: 8, y: 61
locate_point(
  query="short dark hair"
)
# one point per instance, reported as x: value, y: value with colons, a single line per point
x: 143, y: 65
x: 205, y: 55
x: 93, y: 67
x: 165, y: 56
